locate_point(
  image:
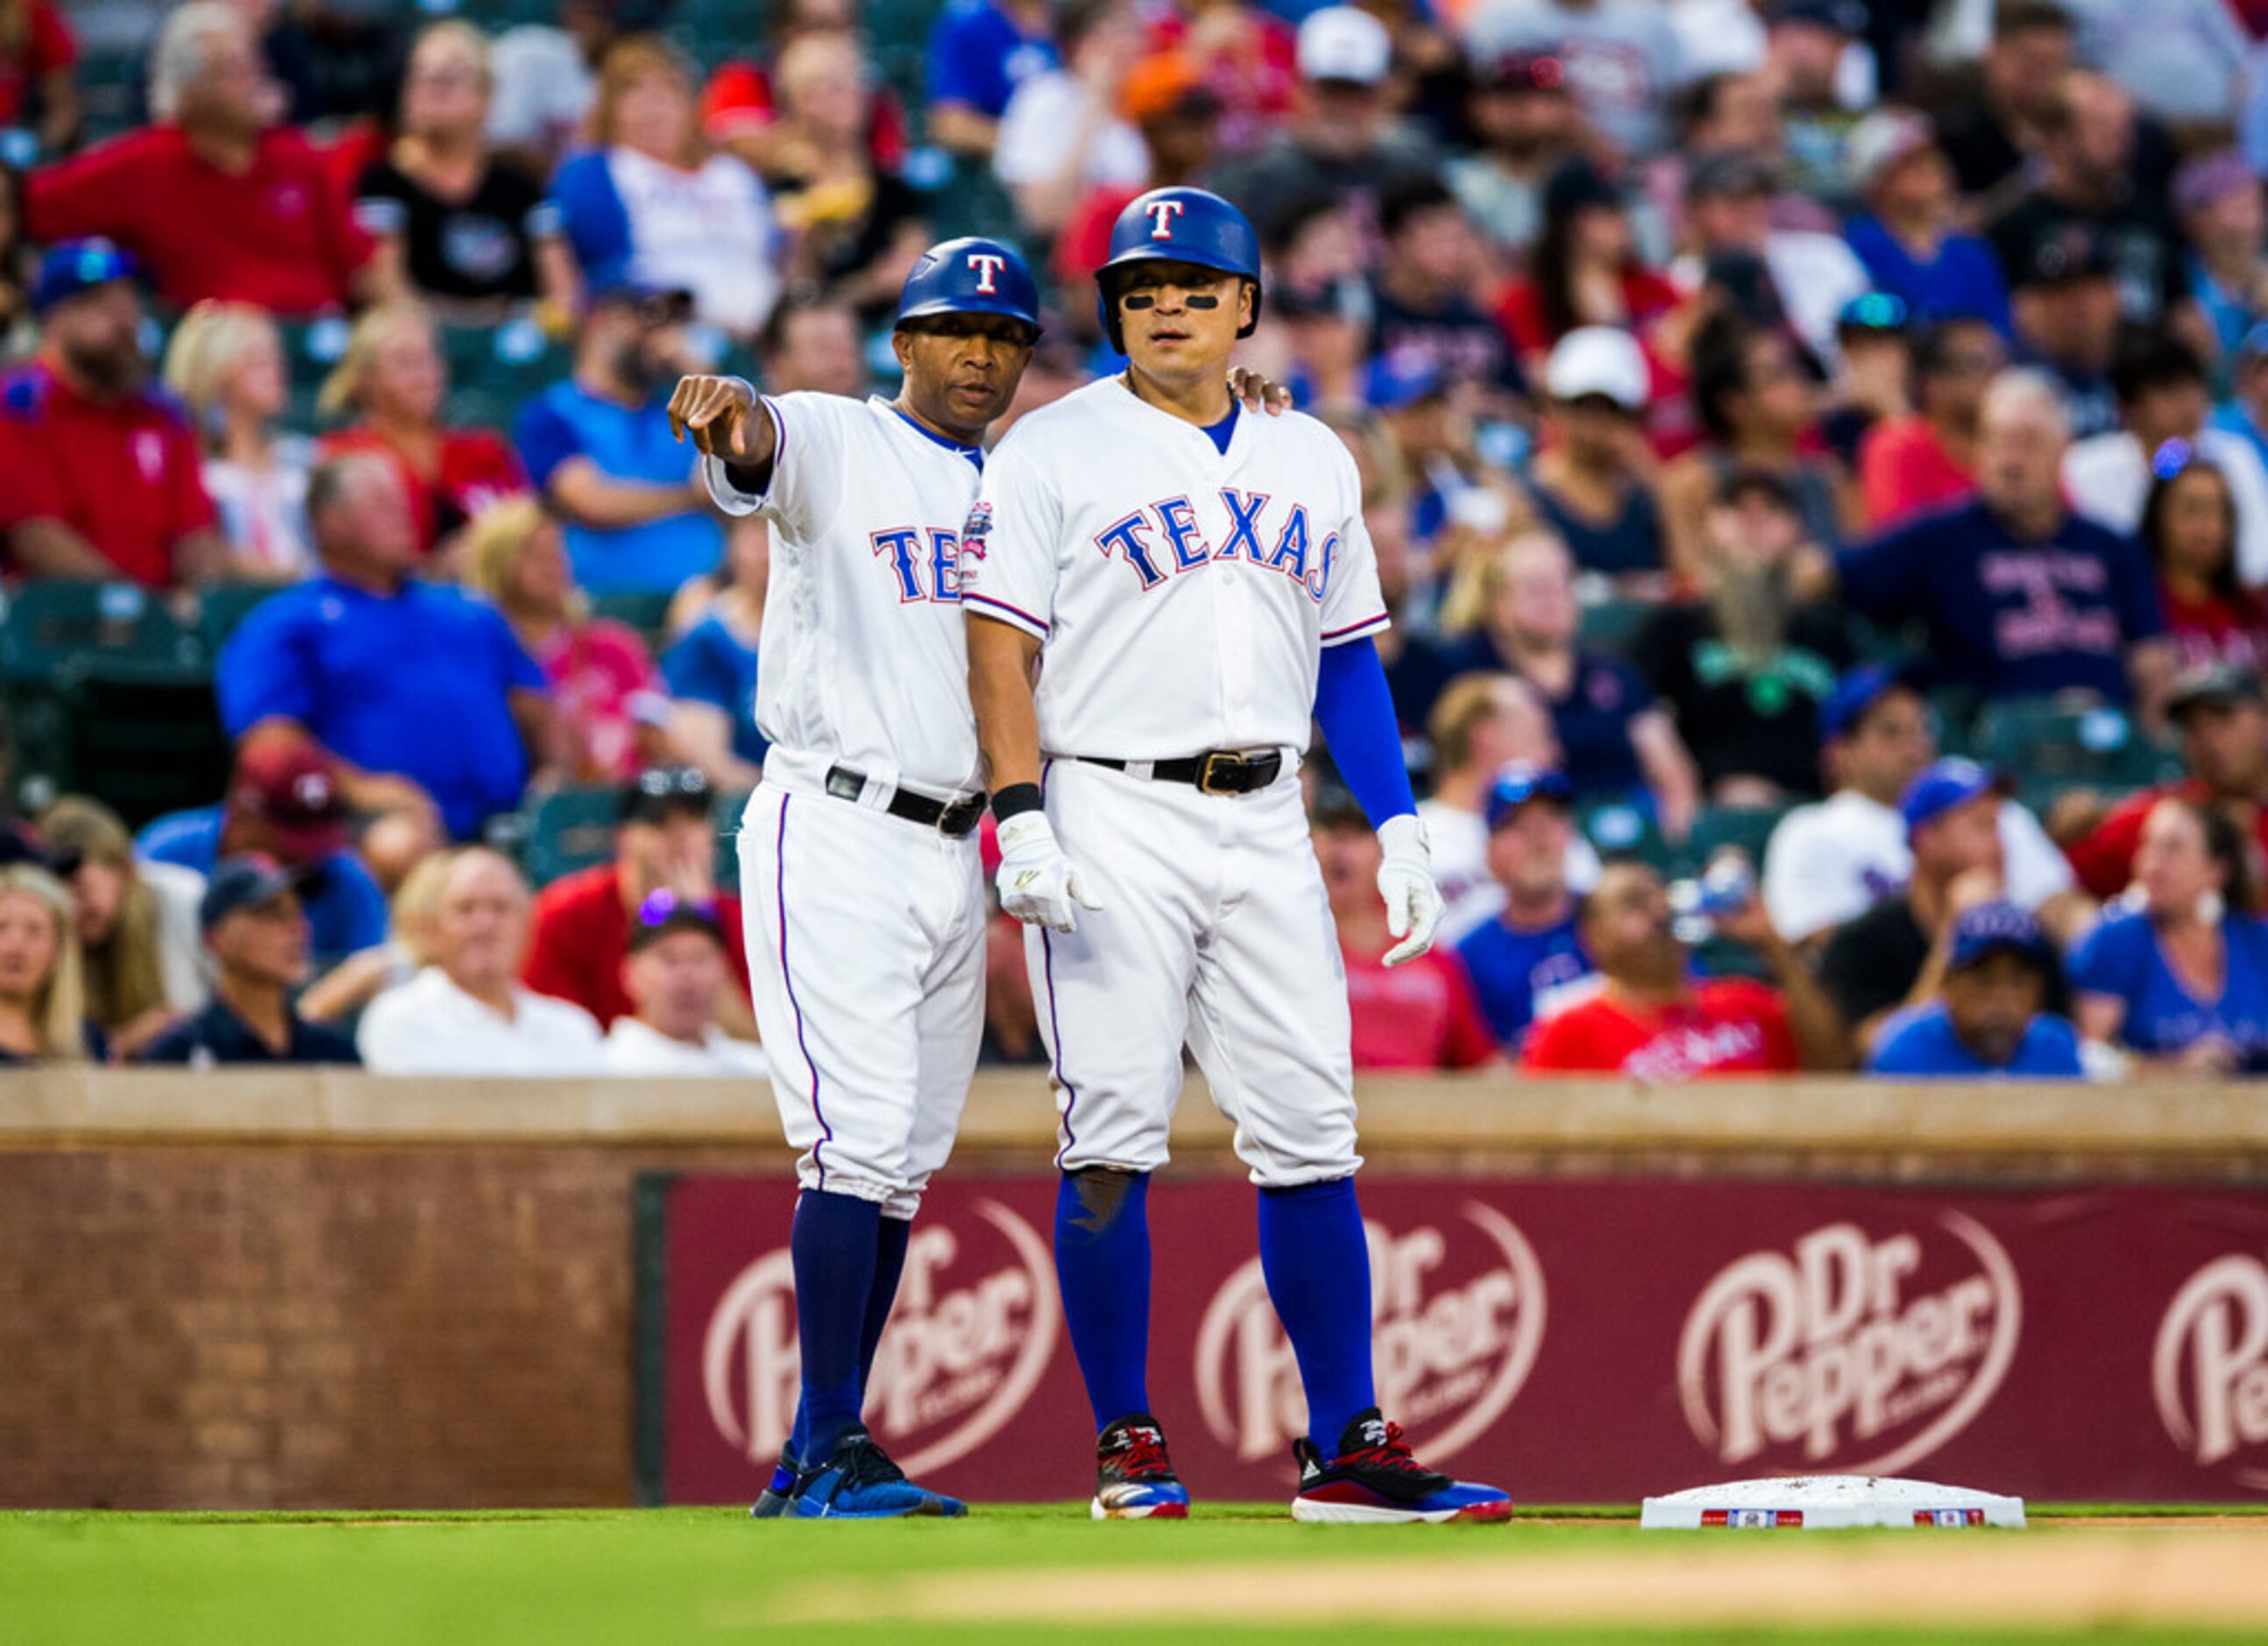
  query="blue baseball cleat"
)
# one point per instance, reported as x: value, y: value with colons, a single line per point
x: 859, y: 1482
x: 1375, y: 1479
x: 1134, y: 1479
x: 775, y: 1501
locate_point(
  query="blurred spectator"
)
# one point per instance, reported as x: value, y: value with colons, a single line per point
x: 856, y: 226
x: 80, y: 429
x: 1319, y: 313
x: 340, y: 994
x: 649, y: 204
x: 1591, y: 482
x: 1526, y: 125
x: 675, y: 974
x: 740, y: 106
x: 1988, y: 1019
x: 1805, y: 43
x: 812, y: 341
x: 284, y: 803
x: 1906, y: 232
x: 1247, y: 59
x: 609, y: 697
x: 1652, y: 1020
x: 1065, y: 130
x: 1422, y: 305
x: 980, y: 51
x: 1928, y: 457
x: 665, y: 855
x: 1874, y: 380
x: 2091, y: 178
x: 18, y: 268
x: 600, y: 449
x: 2066, y: 305
x: 2223, y: 721
x: 215, y: 200
x: 1829, y: 863
x: 1618, y: 743
x: 2162, y: 403
x: 1527, y: 960
x: 2018, y: 596
x: 2245, y: 412
x: 1344, y: 142
x: 1989, y: 137
x: 2178, y: 972
x: 1746, y: 666
x: 2222, y: 218
x: 468, y: 231
x: 1483, y: 724
x: 1166, y: 100
x: 1421, y: 1015
x: 1759, y: 409
x: 1583, y: 269
x: 256, y: 934
x: 2189, y: 531
x: 394, y: 382
x: 37, y: 92
x: 1770, y: 275
x: 465, y: 1015
x: 225, y: 362
x: 142, y: 962
x: 2182, y: 60
x: 712, y: 669
x: 546, y: 78
x: 422, y: 697
x: 42, y: 1018
x: 1726, y: 111
x: 1620, y: 57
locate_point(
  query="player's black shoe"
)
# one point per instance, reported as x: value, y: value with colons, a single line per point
x: 773, y: 1503
x: 1374, y: 1478
x: 857, y: 1482
x: 1134, y: 1479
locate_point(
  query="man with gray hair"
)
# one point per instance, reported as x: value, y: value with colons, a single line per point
x: 2019, y: 597
x: 214, y: 199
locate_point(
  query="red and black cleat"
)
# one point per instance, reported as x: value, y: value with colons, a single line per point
x: 1374, y: 1479
x: 1134, y: 1479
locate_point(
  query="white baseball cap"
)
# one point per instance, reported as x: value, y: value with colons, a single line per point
x: 1340, y: 43
x: 1599, y: 360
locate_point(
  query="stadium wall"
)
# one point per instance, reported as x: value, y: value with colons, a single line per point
x: 304, y: 1289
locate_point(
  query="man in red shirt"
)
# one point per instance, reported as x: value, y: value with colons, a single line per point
x: 1653, y: 1021
x: 1421, y: 1015
x: 665, y: 861
x: 2224, y: 722
x: 215, y: 201
x: 1927, y: 458
x: 100, y: 478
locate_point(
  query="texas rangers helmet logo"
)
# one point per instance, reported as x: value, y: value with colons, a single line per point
x: 1162, y: 213
x: 987, y: 266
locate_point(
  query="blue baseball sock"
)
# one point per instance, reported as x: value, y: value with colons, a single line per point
x: 1102, y: 1258
x: 832, y: 1244
x: 890, y: 1239
x: 1317, y: 1266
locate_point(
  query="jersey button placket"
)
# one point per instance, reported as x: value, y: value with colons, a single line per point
x: 1232, y: 610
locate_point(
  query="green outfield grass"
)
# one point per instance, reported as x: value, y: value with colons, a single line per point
x: 661, y: 1576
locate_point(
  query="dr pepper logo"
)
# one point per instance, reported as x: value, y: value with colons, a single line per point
x: 2210, y: 1370
x: 973, y: 1328
x: 1457, y: 1317
x: 1863, y: 1352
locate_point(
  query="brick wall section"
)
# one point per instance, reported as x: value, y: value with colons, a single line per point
x: 261, y: 1327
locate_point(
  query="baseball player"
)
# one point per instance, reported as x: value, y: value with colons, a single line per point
x: 1198, y: 587
x: 859, y: 859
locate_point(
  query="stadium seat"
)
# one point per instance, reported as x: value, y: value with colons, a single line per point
x: 2050, y: 749
x: 223, y: 608
x: 1746, y: 828
x: 727, y: 816
x: 1618, y: 829
x: 646, y: 610
x: 50, y: 628
x: 570, y: 829
x: 1611, y: 624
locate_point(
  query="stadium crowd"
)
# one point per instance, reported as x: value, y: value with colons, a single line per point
x: 1816, y: 453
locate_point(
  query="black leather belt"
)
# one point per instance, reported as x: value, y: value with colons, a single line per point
x: 1223, y: 771
x: 957, y: 819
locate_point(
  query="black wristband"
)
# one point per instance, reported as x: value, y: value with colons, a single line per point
x: 1015, y: 801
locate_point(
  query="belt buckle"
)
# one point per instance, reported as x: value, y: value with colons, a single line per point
x: 958, y: 819
x: 1218, y: 760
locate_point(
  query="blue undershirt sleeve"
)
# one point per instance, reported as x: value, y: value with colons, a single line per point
x: 1356, y: 712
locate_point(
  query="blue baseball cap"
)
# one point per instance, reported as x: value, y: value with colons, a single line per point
x: 246, y: 882
x: 1940, y: 787
x: 1521, y: 782
x: 1996, y: 928
x: 76, y: 266
x: 1402, y: 377
x: 1854, y: 694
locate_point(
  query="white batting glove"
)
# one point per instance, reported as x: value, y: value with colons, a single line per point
x: 1038, y: 884
x: 1405, y: 880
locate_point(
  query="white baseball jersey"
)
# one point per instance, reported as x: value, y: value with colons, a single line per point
x: 864, y: 659
x: 1181, y: 594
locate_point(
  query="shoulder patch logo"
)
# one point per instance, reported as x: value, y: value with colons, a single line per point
x: 975, y: 531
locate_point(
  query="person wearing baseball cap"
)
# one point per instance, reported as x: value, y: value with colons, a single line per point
x: 2064, y: 300
x: 1987, y: 1021
x: 1805, y: 43
x: 100, y: 478
x: 1527, y: 124
x: 1798, y: 275
x: 1529, y: 959
x: 1621, y: 60
x: 284, y: 802
x: 1587, y: 482
x: 1907, y: 231
x: 1927, y: 456
x: 1422, y: 296
x: 256, y: 937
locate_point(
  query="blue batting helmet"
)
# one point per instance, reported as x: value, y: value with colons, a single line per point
x: 971, y: 276
x: 1188, y: 225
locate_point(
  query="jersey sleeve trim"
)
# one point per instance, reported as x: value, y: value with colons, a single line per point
x: 1015, y: 616
x: 729, y: 497
x: 1356, y: 630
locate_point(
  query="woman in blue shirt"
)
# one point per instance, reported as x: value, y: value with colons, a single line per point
x: 2180, y: 976
x: 711, y: 672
